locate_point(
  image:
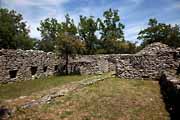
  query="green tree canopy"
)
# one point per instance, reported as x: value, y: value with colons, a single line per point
x: 87, y: 28
x: 111, y: 30
x: 49, y: 29
x: 160, y: 32
x: 13, y: 31
x: 55, y: 35
x: 67, y: 43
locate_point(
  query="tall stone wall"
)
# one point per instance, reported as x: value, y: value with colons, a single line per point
x: 24, y: 65
x: 145, y: 66
x: 148, y: 63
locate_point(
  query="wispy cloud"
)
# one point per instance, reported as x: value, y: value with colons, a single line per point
x: 134, y: 13
x: 36, y: 2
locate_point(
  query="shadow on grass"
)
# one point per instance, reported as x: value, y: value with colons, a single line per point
x: 171, y: 97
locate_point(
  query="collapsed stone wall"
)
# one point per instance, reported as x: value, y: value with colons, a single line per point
x: 25, y: 65
x: 148, y: 63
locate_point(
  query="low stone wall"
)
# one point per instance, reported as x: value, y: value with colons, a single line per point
x: 170, y: 89
x: 24, y: 65
x: 92, y: 64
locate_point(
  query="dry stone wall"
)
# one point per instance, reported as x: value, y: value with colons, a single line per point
x: 148, y: 63
x: 89, y: 64
x: 170, y: 89
x: 145, y: 66
x: 25, y: 65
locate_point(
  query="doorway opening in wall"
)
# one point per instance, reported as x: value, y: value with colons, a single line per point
x: 55, y: 67
x: 44, y: 68
x: 13, y: 73
x: 33, y: 70
x: 178, y: 70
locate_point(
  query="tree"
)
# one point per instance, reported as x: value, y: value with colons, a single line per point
x: 111, y: 30
x: 87, y: 28
x: 67, y: 43
x: 13, y: 31
x: 160, y: 32
x: 49, y: 29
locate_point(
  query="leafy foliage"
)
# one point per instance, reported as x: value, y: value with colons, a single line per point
x: 67, y: 43
x: 111, y: 26
x: 13, y: 31
x: 111, y: 31
x: 160, y: 32
x: 49, y: 29
x: 87, y: 29
x: 65, y: 37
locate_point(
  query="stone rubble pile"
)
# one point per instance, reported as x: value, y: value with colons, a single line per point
x: 155, y: 48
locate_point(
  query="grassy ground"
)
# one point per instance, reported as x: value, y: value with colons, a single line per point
x: 24, y: 88
x: 111, y: 99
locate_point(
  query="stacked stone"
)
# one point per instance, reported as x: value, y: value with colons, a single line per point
x: 17, y: 64
x: 148, y: 63
x: 89, y: 64
x: 145, y: 64
x: 155, y: 48
x: 170, y: 89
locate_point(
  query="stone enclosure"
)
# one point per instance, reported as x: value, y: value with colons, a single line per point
x: 25, y: 65
x: 148, y: 63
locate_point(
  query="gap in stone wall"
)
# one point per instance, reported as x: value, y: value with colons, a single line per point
x: 44, y: 68
x: 33, y: 70
x: 178, y: 70
x: 55, y: 67
x: 13, y: 73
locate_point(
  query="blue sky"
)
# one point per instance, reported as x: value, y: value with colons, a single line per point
x: 134, y: 13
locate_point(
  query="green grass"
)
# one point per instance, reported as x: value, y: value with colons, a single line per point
x: 111, y: 99
x: 24, y: 88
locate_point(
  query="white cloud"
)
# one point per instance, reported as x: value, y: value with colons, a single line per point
x: 34, y: 33
x: 176, y: 5
x: 46, y: 9
x: 137, y: 2
x: 55, y: 9
x: 51, y: 13
x: 35, y: 2
x: 131, y: 31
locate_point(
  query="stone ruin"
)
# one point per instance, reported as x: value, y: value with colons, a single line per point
x: 153, y: 62
x: 18, y: 65
x: 149, y: 62
x: 25, y: 65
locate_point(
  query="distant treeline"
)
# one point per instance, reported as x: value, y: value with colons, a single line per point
x: 66, y: 38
